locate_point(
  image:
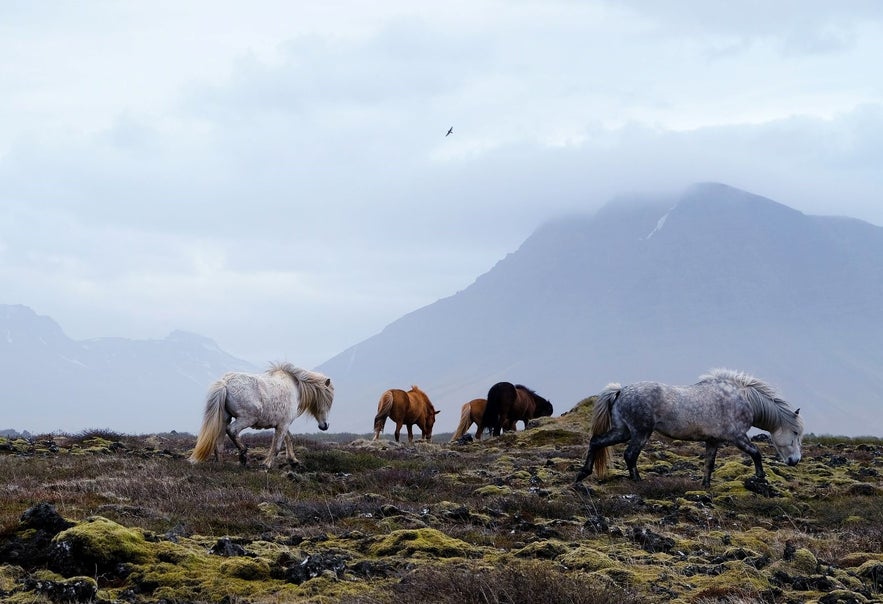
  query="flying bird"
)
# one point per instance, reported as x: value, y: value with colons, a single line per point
x: 449, y: 131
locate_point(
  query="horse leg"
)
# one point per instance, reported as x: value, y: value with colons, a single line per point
x: 293, y: 461
x: 233, y: 430
x: 479, y: 429
x: 275, y: 445
x: 398, y: 430
x: 711, y: 447
x: 631, y: 455
x: 749, y: 448
x: 599, y: 442
x: 410, y: 432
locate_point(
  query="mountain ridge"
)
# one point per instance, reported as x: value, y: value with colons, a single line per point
x: 53, y: 382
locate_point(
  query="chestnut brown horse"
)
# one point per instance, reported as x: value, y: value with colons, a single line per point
x: 471, y: 413
x: 508, y: 404
x: 408, y: 408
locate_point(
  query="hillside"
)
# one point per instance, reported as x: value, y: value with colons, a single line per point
x: 657, y: 289
x: 52, y: 382
x: 103, y: 517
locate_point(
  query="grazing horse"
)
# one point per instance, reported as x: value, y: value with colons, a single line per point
x: 261, y: 401
x: 471, y: 413
x: 719, y: 408
x: 508, y: 404
x: 408, y: 408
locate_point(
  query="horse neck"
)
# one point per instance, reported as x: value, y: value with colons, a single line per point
x: 767, y: 411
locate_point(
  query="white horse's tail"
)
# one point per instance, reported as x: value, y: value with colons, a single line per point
x: 214, y: 422
x: 465, y: 421
x: 601, y: 424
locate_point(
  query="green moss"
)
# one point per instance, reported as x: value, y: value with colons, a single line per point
x: 586, y: 559
x: 9, y: 576
x: 271, y: 510
x: 628, y: 578
x: 548, y: 549
x: 426, y: 540
x: 856, y: 559
x: 520, y: 475
x: 731, y: 471
x: 805, y: 561
x: 250, y: 569
x: 552, y: 434
x: 105, y: 542
x: 492, y: 490
x: 17, y: 445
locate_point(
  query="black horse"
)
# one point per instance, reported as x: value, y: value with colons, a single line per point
x: 508, y: 404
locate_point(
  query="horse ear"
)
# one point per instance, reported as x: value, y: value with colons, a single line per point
x: 327, y: 381
x: 797, y: 412
x: 437, y: 412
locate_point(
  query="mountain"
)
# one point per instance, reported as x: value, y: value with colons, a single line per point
x: 51, y: 382
x: 657, y: 289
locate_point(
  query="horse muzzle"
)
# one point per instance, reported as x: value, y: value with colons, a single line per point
x: 324, y: 426
x: 792, y: 461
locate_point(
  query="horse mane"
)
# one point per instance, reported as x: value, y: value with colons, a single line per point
x: 770, y: 411
x: 536, y: 397
x: 532, y: 393
x: 315, y: 389
x: 423, y: 395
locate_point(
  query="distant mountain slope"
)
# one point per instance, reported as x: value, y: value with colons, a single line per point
x: 51, y: 382
x: 651, y: 289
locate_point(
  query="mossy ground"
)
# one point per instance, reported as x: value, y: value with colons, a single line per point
x: 490, y: 521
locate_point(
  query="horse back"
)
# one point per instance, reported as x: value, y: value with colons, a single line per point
x: 696, y: 412
x: 476, y: 409
x: 524, y: 407
x: 419, y: 404
x: 500, y: 398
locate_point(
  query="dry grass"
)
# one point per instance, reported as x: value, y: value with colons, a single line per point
x: 535, y: 538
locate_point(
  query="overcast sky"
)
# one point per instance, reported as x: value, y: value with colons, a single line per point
x: 276, y: 175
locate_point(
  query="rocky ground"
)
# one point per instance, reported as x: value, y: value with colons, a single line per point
x: 103, y: 517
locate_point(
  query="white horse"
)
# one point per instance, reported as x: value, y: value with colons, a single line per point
x: 262, y: 401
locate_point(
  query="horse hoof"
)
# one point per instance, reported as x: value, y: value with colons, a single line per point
x: 581, y: 488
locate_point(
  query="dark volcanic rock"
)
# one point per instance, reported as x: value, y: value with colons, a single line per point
x: 42, y: 522
x: 226, y: 547
x: 652, y: 542
x: 761, y: 487
x: 79, y: 589
x: 314, y: 565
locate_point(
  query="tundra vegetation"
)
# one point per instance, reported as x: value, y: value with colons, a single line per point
x: 106, y: 517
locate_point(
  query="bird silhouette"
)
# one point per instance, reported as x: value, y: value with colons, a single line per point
x: 449, y: 131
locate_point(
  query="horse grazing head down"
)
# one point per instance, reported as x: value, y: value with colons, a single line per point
x: 787, y: 438
x: 423, y: 410
x: 542, y: 407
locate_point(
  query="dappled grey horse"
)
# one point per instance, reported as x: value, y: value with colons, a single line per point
x: 719, y: 408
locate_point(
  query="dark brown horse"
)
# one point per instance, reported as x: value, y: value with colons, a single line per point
x: 471, y: 413
x: 508, y: 404
x: 408, y: 408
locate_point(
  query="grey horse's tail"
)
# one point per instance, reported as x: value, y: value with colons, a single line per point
x: 214, y: 421
x: 601, y: 424
x: 465, y: 421
x: 384, y: 407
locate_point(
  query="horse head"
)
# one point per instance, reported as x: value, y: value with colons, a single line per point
x: 543, y: 407
x: 318, y: 399
x: 788, y: 437
x: 429, y: 419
